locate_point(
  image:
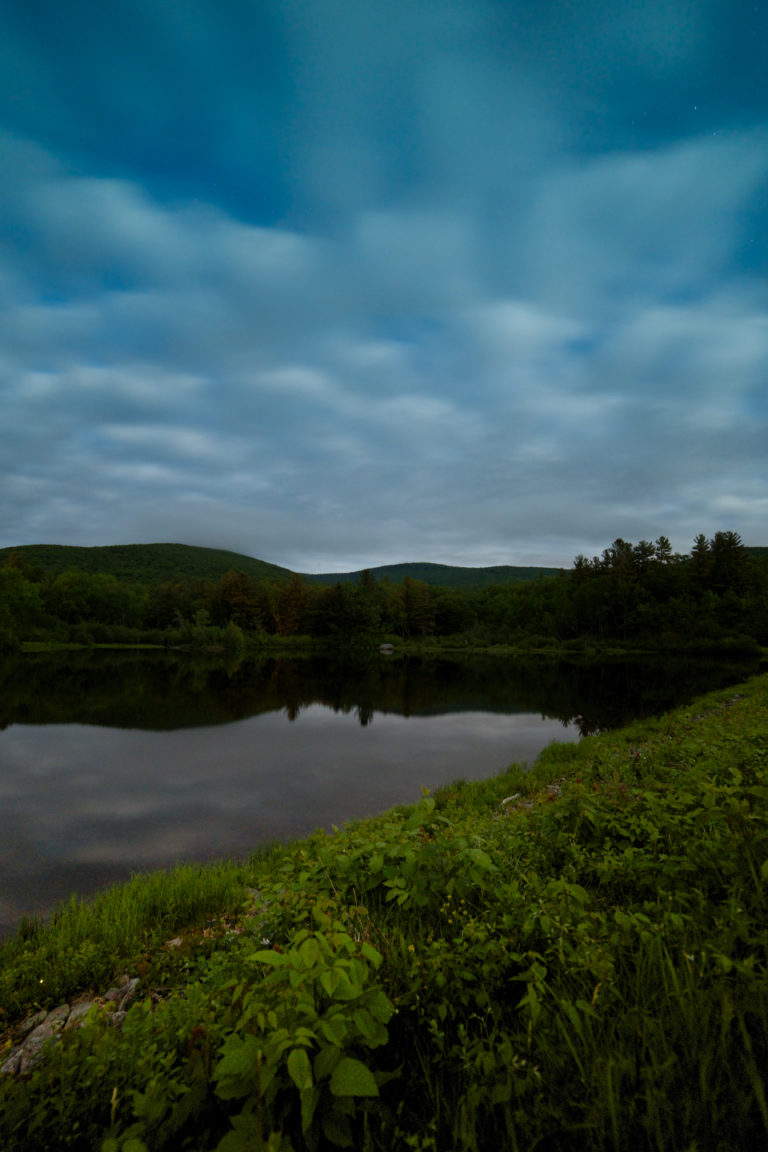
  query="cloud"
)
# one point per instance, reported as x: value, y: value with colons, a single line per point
x: 621, y: 228
x: 421, y: 280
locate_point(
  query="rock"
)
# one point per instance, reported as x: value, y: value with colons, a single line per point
x: 33, y: 1021
x: 175, y: 943
x: 79, y: 1012
x: 44, y: 1027
x: 129, y: 991
x: 49, y: 1030
x: 55, y: 1020
x: 13, y: 1064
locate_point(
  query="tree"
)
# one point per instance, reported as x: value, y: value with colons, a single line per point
x: 663, y: 550
x: 234, y: 599
x: 732, y: 568
x: 700, y: 563
x: 289, y: 606
x: 452, y: 613
x: 344, y: 614
x: 418, y: 612
x: 20, y: 606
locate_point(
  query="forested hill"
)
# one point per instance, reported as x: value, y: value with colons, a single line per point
x: 146, y: 563
x: 153, y: 564
x: 438, y: 575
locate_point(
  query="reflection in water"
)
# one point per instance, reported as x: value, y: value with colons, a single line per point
x: 112, y: 763
x: 161, y: 691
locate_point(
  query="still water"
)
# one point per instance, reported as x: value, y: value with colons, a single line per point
x: 112, y: 763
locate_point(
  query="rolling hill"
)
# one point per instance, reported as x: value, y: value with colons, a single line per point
x: 438, y: 575
x: 146, y: 563
x: 156, y: 563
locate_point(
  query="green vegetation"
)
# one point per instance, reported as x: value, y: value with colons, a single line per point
x: 148, y: 564
x: 438, y: 575
x: 568, y: 958
x: 640, y: 596
x: 152, y: 564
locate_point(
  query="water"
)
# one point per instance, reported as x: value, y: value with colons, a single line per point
x: 112, y: 763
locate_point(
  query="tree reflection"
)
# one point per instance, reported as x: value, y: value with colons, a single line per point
x: 156, y: 691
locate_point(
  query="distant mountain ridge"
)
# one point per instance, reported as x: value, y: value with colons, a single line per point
x: 439, y: 575
x: 159, y: 563
x: 146, y: 563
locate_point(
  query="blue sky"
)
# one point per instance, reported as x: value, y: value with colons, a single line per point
x: 339, y: 284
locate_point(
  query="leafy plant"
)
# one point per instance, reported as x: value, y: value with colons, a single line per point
x: 298, y: 1040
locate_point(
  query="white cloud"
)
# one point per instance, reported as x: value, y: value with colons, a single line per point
x: 324, y: 400
x: 627, y: 227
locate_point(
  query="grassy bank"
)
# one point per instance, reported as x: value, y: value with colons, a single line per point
x: 569, y: 958
x: 730, y: 647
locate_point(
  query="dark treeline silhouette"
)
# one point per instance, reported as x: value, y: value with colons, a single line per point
x: 634, y: 595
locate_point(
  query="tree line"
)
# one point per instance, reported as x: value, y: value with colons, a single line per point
x: 632, y: 594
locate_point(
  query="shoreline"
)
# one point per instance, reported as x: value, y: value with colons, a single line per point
x: 507, y: 942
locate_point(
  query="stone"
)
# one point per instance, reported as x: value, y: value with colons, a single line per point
x: 44, y: 1027
x: 33, y: 1021
x: 41, y: 1035
x: 79, y: 1012
x: 129, y: 991
x: 13, y: 1064
x: 56, y: 1018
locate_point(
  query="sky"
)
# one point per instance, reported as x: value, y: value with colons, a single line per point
x: 344, y: 284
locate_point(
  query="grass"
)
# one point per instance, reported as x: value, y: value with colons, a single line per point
x: 568, y: 958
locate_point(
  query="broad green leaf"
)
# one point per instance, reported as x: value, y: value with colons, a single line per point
x: 339, y: 986
x: 375, y: 1033
x: 237, y: 1067
x: 481, y: 859
x: 299, y: 1068
x: 364, y: 1022
x: 269, y: 957
x: 329, y: 980
x: 309, y: 952
x: 352, y: 1078
x: 334, y: 1029
x: 309, y: 1102
x: 326, y: 1060
x: 371, y: 954
x: 336, y: 1129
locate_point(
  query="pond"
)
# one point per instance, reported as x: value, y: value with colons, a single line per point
x: 112, y: 763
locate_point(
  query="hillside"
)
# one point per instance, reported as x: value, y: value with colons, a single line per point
x: 157, y: 563
x: 146, y: 563
x: 438, y: 575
